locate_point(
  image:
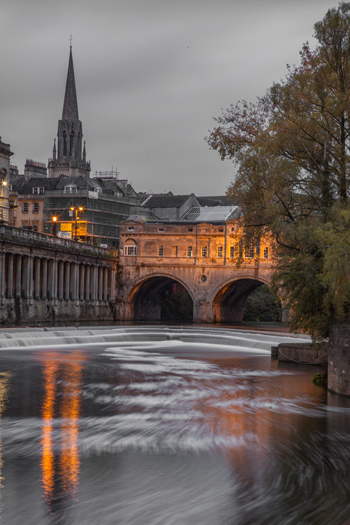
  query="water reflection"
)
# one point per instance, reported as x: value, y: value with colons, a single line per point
x: 60, y: 470
x: 4, y: 387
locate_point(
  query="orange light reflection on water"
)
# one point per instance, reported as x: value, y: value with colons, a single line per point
x: 63, y: 473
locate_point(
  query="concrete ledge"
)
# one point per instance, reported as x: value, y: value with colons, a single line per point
x: 306, y: 354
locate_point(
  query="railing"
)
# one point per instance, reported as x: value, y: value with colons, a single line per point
x: 18, y: 234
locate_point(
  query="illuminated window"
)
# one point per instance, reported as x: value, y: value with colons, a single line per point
x: 232, y: 252
x: 189, y: 251
x: 160, y: 251
x: 220, y: 252
x: 130, y: 250
x: 266, y: 253
x: 130, y: 247
x: 204, y: 251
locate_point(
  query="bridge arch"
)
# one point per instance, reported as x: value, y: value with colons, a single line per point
x: 228, y: 298
x: 144, y: 299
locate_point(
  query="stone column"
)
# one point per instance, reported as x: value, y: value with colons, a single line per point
x: 87, y: 283
x: 100, y: 284
x: 25, y: 277
x: 50, y: 277
x: 54, y: 280
x: 18, y: 276
x: 93, y: 283
x: 36, y: 278
x: 105, y: 284
x: 9, y: 275
x: 112, y: 286
x: 60, y: 280
x: 44, y: 278
x: 74, y: 284
x: 67, y: 281
x: 2, y: 277
x: 81, y: 281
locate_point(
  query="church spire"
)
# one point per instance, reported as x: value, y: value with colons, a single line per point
x: 70, y: 105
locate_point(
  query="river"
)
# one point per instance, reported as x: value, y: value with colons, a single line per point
x: 167, y: 426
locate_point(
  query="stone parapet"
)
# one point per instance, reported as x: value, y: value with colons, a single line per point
x: 306, y: 354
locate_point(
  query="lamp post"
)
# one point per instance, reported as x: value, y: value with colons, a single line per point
x: 75, y: 212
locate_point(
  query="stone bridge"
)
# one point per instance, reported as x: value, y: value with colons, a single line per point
x: 202, y: 258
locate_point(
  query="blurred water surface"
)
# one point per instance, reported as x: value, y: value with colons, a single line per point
x: 169, y: 432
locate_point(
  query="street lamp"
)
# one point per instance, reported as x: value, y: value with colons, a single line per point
x: 75, y: 211
x: 54, y: 225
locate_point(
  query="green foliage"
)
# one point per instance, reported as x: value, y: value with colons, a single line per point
x: 262, y: 306
x: 320, y: 379
x: 292, y: 151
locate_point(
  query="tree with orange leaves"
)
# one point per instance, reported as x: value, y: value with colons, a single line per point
x: 292, y: 154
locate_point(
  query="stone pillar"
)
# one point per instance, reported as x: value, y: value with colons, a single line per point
x: 36, y: 278
x: 30, y: 279
x: 100, y: 283
x: 67, y: 281
x: 339, y: 360
x: 81, y: 281
x: 87, y: 283
x: 93, y: 283
x: 74, y: 284
x: 9, y: 275
x: 105, y: 284
x: 112, y: 286
x: 44, y: 278
x: 2, y: 277
x: 18, y: 282
x: 60, y: 280
x: 54, y: 280
x: 25, y: 277
x: 50, y: 280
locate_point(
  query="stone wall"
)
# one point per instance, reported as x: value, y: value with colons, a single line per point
x: 302, y: 353
x: 339, y: 360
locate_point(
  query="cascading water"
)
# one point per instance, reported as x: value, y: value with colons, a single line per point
x: 166, y: 425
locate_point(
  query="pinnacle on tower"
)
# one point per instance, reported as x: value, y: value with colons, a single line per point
x: 70, y: 105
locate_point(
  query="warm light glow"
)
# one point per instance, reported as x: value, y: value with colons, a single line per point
x: 72, y: 208
x: 4, y: 182
x: 68, y: 368
x: 81, y: 208
x: 54, y: 219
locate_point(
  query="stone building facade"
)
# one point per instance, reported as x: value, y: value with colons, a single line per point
x: 202, y: 256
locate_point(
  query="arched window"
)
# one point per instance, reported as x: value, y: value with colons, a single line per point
x: 130, y: 247
x: 64, y: 144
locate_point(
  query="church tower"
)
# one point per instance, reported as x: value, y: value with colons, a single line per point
x: 69, y: 155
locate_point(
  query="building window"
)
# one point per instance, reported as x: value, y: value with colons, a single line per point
x: 190, y: 229
x: 249, y: 252
x: 70, y: 189
x: 35, y: 225
x: 221, y: 230
x: 130, y: 250
x: 220, y: 252
x: 174, y: 251
x: 266, y: 253
x: 35, y: 207
x: 232, y: 252
x: 160, y: 251
x: 189, y: 251
x: 38, y: 191
x: 204, y: 251
x: 161, y: 229
x: 25, y: 207
x: 131, y: 229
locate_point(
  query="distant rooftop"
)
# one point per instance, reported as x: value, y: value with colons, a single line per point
x: 212, y: 213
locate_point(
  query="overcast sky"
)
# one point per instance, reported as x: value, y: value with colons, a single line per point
x: 150, y: 76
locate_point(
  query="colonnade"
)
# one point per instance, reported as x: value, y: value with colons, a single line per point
x: 33, y: 278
